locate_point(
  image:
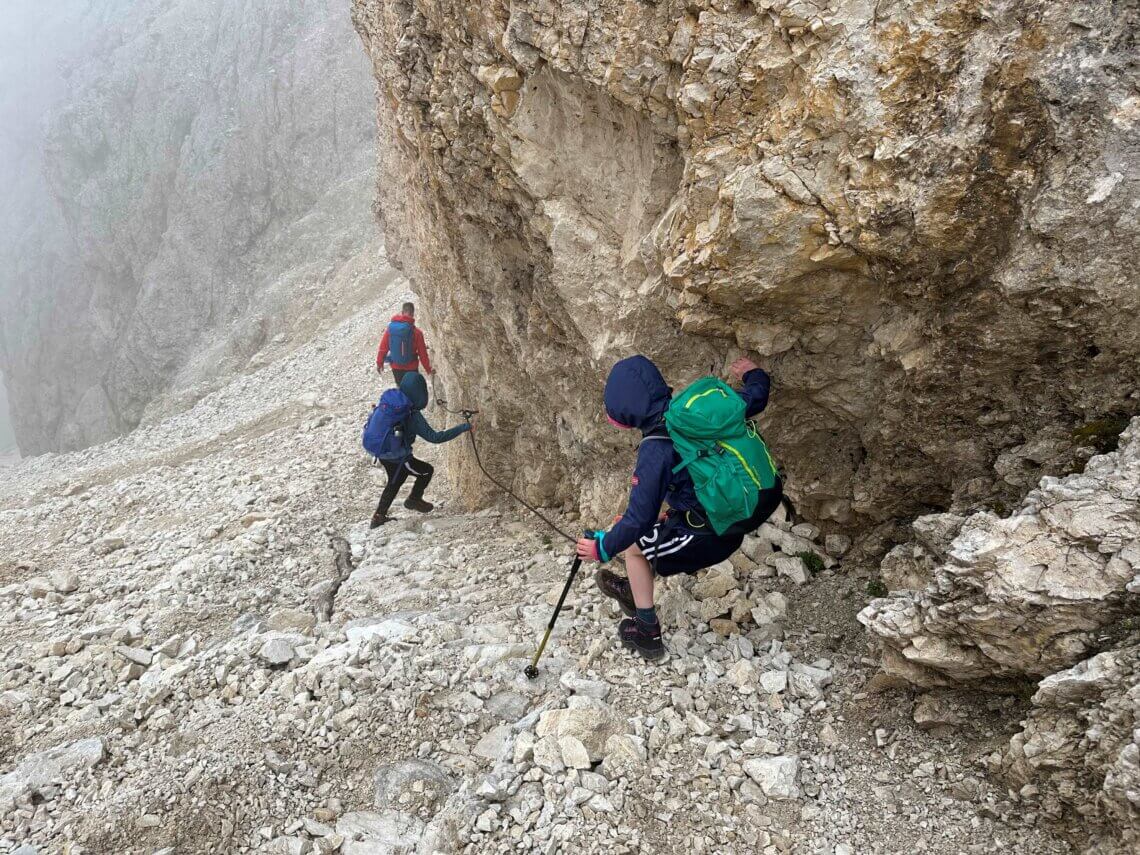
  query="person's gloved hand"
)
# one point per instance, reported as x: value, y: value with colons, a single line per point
x: 588, y: 549
x: 741, y: 367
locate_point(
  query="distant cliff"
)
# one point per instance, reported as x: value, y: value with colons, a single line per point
x: 200, y: 163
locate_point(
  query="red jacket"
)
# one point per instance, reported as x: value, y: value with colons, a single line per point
x: 421, y: 349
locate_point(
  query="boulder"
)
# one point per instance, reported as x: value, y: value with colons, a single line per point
x: 41, y: 769
x: 277, y: 651
x: 1077, y: 759
x: 771, y: 608
x: 776, y: 776
x: 1024, y: 595
x: 586, y: 719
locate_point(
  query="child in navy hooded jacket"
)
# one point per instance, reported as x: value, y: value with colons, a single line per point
x: 681, y: 540
x: 415, y: 387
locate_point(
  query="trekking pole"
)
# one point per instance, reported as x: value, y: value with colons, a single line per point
x: 531, y: 670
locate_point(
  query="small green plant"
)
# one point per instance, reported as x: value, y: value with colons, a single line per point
x: 1024, y: 688
x: 812, y: 562
x: 1101, y: 434
x: 876, y: 588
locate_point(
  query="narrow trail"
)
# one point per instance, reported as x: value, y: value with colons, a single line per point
x: 180, y: 673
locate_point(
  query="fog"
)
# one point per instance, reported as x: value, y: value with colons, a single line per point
x: 40, y: 43
x: 172, y: 172
x: 7, y: 436
x: 39, y: 46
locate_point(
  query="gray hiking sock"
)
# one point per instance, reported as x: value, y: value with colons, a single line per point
x: 648, y: 616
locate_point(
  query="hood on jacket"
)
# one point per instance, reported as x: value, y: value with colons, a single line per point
x: 403, y: 319
x: 415, y: 387
x: 636, y: 394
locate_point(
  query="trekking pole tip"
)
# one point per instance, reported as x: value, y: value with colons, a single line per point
x: 531, y: 672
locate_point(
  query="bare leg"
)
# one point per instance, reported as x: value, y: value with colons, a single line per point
x: 640, y: 577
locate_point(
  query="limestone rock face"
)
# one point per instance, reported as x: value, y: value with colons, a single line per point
x: 920, y: 218
x: 1078, y: 757
x: 204, y: 175
x: 1023, y: 596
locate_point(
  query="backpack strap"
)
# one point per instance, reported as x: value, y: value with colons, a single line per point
x: 657, y: 432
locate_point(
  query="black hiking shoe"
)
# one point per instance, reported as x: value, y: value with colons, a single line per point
x: 378, y: 519
x: 413, y: 504
x: 616, y: 588
x: 642, y: 638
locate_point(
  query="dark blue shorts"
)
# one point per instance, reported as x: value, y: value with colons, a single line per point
x: 674, y: 546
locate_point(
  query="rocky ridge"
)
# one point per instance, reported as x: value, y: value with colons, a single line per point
x: 983, y: 598
x: 209, y: 651
x: 1053, y: 592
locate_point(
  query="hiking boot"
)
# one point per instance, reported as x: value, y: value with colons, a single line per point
x: 378, y: 519
x: 616, y: 588
x: 642, y: 638
x: 414, y: 503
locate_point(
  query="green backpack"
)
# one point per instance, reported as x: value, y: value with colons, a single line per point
x: 728, y: 461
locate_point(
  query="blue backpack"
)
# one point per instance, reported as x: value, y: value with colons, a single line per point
x: 384, y: 431
x: 401, y: 343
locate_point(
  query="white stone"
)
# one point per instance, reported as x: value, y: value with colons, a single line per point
x: 495, y: 744
x: 64, y: 581
x: 589, y: 688
x: 776, y: 776
x: 574, y: 753
x: 774, y: 681
x: 587, y: 719
x: 741, y: 674
x: 277, y: 651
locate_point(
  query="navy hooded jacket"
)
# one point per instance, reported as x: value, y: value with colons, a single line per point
x: 637, y: 396
x: 415, y: 387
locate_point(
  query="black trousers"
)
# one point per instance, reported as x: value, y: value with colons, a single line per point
x: 398, y: 374
x: 398, y: 473
x: 676, y: 546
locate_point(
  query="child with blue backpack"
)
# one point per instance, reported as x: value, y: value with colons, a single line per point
x: 701, y: 455
x: 389, y: 436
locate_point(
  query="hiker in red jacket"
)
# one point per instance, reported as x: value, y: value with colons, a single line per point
x: 403, y: 345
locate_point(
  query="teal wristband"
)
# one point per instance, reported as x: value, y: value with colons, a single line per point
x: 600, y: 536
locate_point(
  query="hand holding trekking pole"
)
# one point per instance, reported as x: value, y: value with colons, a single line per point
x: 587, y: 549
